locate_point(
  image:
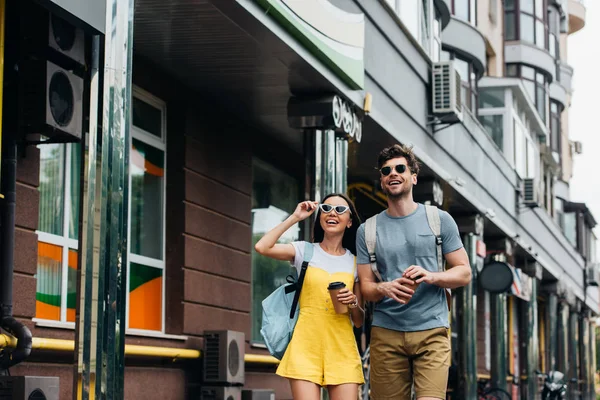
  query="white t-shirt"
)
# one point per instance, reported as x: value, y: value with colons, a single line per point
x: 325, y: 261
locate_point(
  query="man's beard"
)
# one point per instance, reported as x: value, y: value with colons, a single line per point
x: 396, y: 196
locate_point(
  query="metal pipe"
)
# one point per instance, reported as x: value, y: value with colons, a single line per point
x: 7, y: 232
x: 130, y: 349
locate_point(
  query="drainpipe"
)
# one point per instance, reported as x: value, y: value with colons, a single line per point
x: 8, y: 358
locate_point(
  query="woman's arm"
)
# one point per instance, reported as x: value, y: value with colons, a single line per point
x: 268, y: 246
x: 357, y: 314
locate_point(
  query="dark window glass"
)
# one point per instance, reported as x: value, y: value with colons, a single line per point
x: 509, y: 5
x: 510, y: 29
x: 491, y: 98
x: 512, y: 70
x: 541, y: 102
x: 493, y: 125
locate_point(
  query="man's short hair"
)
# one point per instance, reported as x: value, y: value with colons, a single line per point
x: 397, y: 151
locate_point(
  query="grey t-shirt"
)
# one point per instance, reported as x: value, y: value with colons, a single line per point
x: 402, y: 242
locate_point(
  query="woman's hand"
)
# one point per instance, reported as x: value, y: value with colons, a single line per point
x: 345, y: 296
x: 305, y: 209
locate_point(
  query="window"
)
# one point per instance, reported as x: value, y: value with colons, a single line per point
x: 536, y: 85
x: 58, y: 232
x: 469, y: 96
x: 491, y: 98
x: 147, y: 214
x: 465, y: 10
x: 526, y: 20
x: 555, y: 135
x: 493, y: 125
x: 274, y: 197
x: 59, y: 213
x: 520, y: 155
x: 418, y: 16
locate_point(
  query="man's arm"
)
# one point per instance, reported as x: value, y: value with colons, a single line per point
x: 375, y: 291
x: 457, y: 273
x: 458, y: 270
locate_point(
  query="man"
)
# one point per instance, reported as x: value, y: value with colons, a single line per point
x: 409, y: 337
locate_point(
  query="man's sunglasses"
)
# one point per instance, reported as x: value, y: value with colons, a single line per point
x: 339, y: 210
x: 400, y: 168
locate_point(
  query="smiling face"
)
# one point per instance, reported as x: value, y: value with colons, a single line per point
x: 332, y: 222
x: 397, y: 185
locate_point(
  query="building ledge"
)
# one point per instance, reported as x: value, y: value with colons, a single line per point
x: 465, y: 40
x: 559, y: 93
x: 566, y: 76
x: 526, y: 53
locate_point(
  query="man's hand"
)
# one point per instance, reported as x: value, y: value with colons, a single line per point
x: 398, y: 289
x: 419, y: 274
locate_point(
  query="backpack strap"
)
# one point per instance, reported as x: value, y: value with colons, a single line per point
x: 371, y: 240
x: 308, y: 253
x: 433, y: 218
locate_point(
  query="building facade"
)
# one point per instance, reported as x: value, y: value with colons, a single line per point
x: 239, y: 109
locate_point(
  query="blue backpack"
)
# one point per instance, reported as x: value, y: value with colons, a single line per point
x: 280, y: 310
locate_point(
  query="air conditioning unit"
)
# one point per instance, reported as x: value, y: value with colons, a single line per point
x: 592, y: 274
x: 577, y: 147
x: 52, y: 103
x: 258, y: 394
x: 50, y: 77
x: 221, y: 393
x: 66, y: 39
x: 446, y: 87
x: 531, y: 197
x: 224, y: 357
x: 29, y: 387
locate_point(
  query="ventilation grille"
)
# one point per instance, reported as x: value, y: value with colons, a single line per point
x: 211, y: 356
x: 530, y: 192
x: 446, y: 87
x: 441, y: 84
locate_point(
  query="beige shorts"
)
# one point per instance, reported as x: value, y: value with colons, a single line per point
x: 398, y: 357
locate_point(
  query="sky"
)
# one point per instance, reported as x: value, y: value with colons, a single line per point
x: 583, y: 50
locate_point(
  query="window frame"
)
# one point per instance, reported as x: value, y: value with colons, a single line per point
x: 63, y: 241
x: 516, y: 13
x: 160, y: 144
x: 537, y: 84
x: 472, y: 17
x: 67, y: 243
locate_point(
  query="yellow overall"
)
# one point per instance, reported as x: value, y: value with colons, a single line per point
x: 323, y: 349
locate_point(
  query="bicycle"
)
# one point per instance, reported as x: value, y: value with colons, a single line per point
x: 486, y: 392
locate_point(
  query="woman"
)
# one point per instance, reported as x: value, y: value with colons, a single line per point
x: 323, y: 350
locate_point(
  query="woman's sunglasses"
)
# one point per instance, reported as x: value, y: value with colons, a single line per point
x: 400, y: 168
x: 339, y: 210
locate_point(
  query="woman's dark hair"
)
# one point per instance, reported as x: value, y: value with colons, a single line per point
x: 349, y: 239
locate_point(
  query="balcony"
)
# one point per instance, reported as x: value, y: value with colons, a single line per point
x: 526, y: 53
x: 566, y: 76
x: 558, y: 93
x: 577, y: 11
x: 464, y: 39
